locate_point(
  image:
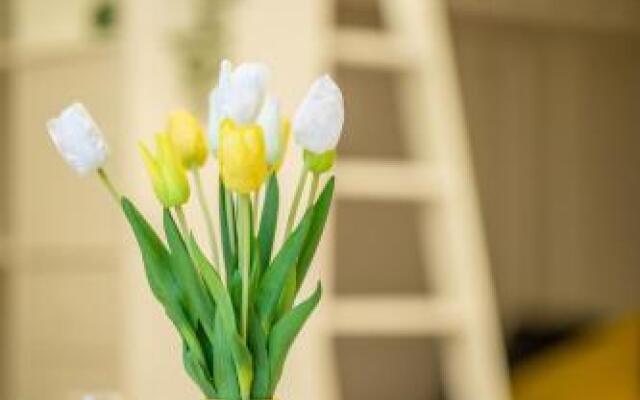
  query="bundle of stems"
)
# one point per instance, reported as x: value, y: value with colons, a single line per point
x: 235, y: 307
x: 237, y: 322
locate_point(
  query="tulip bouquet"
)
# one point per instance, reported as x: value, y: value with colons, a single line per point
x: 234, y: 304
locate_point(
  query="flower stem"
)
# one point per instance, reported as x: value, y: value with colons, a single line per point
x: 182, y: 221
x: 296, y: 201
x: 228, y: 199
x: 207, y: 216
x: 104, y: 178
x: 314, y: 189
x: 244, y: 235
x: 256, y: 208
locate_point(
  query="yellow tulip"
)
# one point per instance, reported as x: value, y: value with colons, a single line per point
x: 188, y: 137
x: 167, y: 173
x: 242, y: 156
x: 285, y: 134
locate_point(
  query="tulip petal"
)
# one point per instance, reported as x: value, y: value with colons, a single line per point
x: 269, y: 121
x: 318, y: 122
x: 215, y: 117
x: 78, y: 139
x: 247, y: 92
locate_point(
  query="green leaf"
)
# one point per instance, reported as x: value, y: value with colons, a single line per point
x: 155, y: 256
x: 275, y: 276
x: 296, y: 277
x: 207, y: 346
x: 258, y: 346
x: 241, y: 354
x: 224, y: 371
x: 269, y: 220
x: 228, y: 233
x: 256, y: 269
x: 163, y: 284
x: 201, y: 306
x: 285, y: 331
x: 320, y: 213
x: 196, y: 372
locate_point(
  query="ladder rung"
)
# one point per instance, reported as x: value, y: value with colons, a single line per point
x: 395, y: 316
x: 371, y: 48
x: 388, y: 180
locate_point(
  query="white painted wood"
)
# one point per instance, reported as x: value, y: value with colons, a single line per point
x: 15, y: 55
x: 388, y: 180
x: 373, y: 48
x: 396, y: 316
x: 417, y: 38
x: 475, y: 359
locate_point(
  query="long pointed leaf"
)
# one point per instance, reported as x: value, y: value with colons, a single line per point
x: 320, y: 213
x: 285, y: 331
x: 275, y: 276
x: 258, y: 345
x: 155, y: 257
x: 269, y: 220
x: 156, y: 260
x: 196, y: 372
x: 224, y: 370
x: 241, y: 354
x: 228, y: 233
x: 184, y: 269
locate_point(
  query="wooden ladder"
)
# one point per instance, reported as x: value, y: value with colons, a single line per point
x: 462, y: 311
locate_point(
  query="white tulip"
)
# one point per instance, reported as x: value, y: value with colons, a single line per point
x: 78, y: 139
x: 239, y: 96
x: 317, y: 125
x: 271, y: 124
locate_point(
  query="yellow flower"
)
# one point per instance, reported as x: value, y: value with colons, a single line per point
x: 188, y: 137
x: 242, y: 155
x: 285, y: 134
x: 167, y: 174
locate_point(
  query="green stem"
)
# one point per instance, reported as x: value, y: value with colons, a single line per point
x: 104, y: 178
x: 207, y: 216
x: 256, y: 207
x: 315, y: 182
x: 296, y: 201
x: 182, y: 221
x: 228, y: 199
x: 244, y: 235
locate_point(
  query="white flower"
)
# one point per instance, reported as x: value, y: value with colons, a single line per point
x: 238, y: 96
x: 318, y: 122
x: 78, y: 139
x: 272, y: 128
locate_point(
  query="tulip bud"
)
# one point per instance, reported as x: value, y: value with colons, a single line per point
x: 276, y: 132
x: 317, y: 125
x: 319, y: 163
x: 167, y: 174
x: 188, y: 138
x: 243, y: 163
x: 238, y: 96
x: 78, y: 139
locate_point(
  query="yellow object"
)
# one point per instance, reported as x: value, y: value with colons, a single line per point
x: 604, y: 364
x: 166, y: 171
x: 319, y: 163
x: 188, y: 137
x: 242, y: 156
x: 285, y: 134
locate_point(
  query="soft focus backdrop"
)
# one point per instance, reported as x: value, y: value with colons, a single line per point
x: 551, y: 94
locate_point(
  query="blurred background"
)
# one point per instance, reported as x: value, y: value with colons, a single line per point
x: 484, y: 242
